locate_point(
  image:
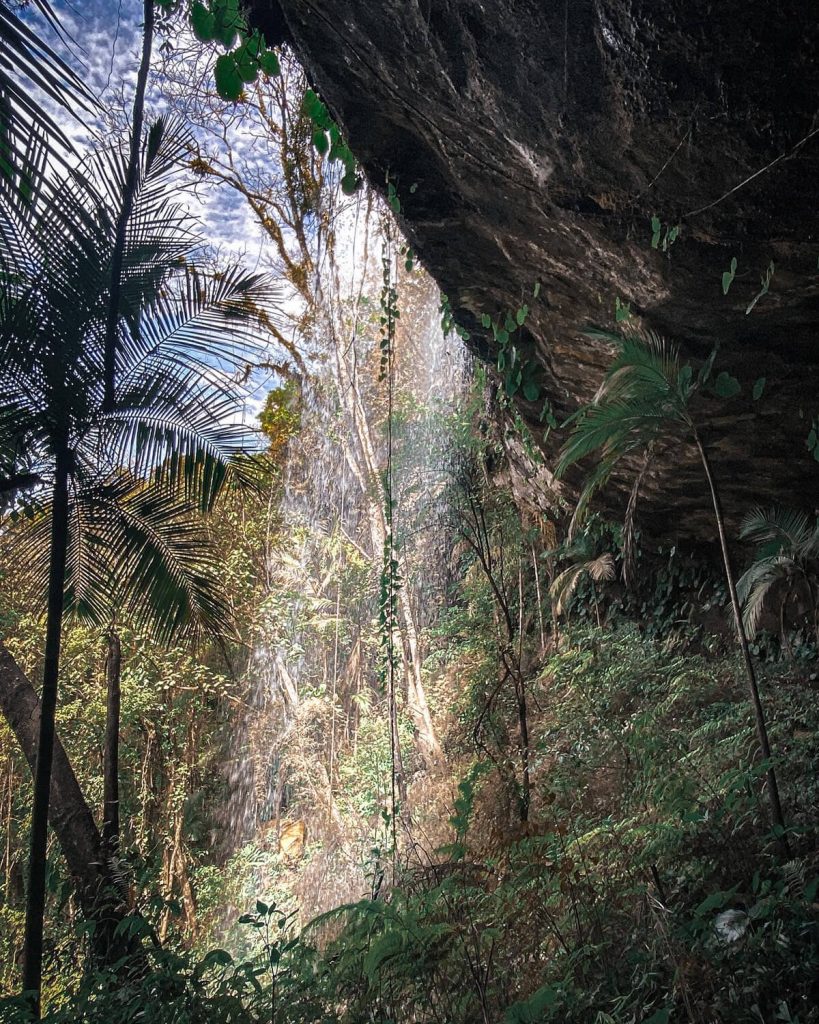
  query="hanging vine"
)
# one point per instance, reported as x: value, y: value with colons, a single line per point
x: 390, y: 571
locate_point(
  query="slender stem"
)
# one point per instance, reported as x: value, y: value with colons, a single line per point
x: 128, y: 194
x: 35, y: 903
x: 539, y: 599
x: 110, y: 816
x: 759, y: 714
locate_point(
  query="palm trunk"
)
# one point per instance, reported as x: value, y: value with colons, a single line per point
x: 759, y: 715
x: 110, y: 817
x: 129, y: 191
x: 35, y: 902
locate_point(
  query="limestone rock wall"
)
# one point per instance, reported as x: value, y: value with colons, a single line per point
x: 541, y: 137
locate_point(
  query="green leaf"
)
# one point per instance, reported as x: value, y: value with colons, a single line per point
x: 726, y: 386
x: 310, y: 102
x: 261, y: 908
x: 729, y: 275
x: 320, y: 141
x: 221, y: 957
x: 656, y: 229
x: 486, y: 320
x: 349, y: 183
x: 521, y: 315
x: 203, y: 23
x: 759, y: 387
x: 269, y: 63
x: 622, y: 310
x: 536, y: 290
x: 228, y: 80
x: 248, y: 70
x: 660, y: 1017
x: 705, y: 372
x: 531, y: 391
x: 713, y: 902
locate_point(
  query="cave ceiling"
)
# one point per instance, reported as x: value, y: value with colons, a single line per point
x: 534, y: 142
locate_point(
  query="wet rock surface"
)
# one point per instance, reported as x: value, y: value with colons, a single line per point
x: 534, y: 141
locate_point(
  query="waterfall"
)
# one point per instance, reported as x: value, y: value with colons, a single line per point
x: 316, y: 724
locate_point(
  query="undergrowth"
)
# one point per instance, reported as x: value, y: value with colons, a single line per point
x: 644, y: 888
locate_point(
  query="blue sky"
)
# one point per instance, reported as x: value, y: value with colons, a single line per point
x: 105, y: 43
x: 106, y: 38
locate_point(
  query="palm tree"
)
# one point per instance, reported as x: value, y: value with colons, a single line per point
x: 137, y: 553
x: 786, y: 563
x: 175, y: 419
x: 644, y: 398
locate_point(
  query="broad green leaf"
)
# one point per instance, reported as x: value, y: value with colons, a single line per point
x: 320, y: 141
x: 759, y: 387
x: 269, y: 63
x: 713, y: 902
x: 228, y: 80
x: 203, y: 22
x: 726, y: 386
x: 349, y: 183
x: 532, y: 1010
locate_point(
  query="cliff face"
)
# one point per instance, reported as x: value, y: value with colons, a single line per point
x: 534, y: 141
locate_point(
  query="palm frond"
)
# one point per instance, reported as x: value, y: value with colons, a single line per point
x: 565, y: 583
x: 136, y: 551
x: 29, y: 65
x: 601, y: 568
x: 782, y: 529
x: 643, y: 393
x: 144, y: 472
x: 755, y: 585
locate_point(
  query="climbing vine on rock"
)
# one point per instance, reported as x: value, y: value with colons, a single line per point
x: 328, y: 141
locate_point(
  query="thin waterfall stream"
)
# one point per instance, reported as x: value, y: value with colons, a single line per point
x: 315, y: 667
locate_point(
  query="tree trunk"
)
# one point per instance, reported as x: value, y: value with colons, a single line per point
x: 759, y: 715
x: 110, y: 770
x: 367, y: 476
x: 69, y: 814
x: 128, y: 193
x: 35, y: 901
